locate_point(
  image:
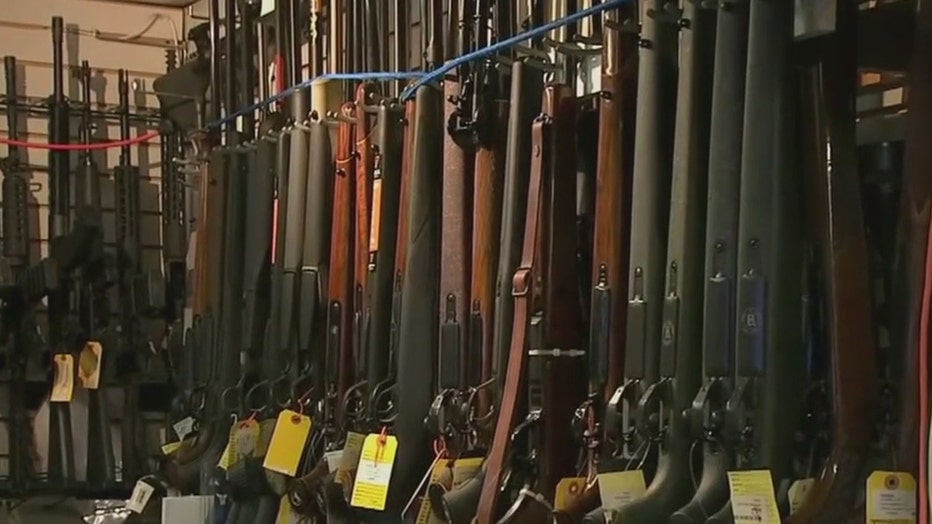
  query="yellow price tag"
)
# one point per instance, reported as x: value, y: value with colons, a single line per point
x: 228, y: 457
x: 441, y: 469
x: 89, y: 365
x: 374, y: 472
x: 171, y: 447
x: 752, y: 497
x: 891, y: 498
x: 287, y: 444
x: 798, y: 492
x: 568, y: 490
x: 63, y: 388
x: 620, y: 488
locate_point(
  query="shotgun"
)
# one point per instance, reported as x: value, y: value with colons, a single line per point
x: 829, y: 90
x: 762, y: 411
x: 721, y: 246
x: 680, y: 364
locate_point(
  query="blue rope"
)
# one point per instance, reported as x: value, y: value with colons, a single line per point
x: 422, y: 78
x: 362, y: 77
x: 438, y: 73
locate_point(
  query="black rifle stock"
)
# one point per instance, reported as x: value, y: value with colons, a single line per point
x: 418, y: 334
x: 653, y: 145
x: 680, y: 365
x: 718, y: 337
x: 762, y: 412
x: 388, y: 138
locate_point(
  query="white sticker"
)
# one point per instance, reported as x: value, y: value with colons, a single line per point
x: 184, y: 427
x: 267, y: 7
x: 140, y: 497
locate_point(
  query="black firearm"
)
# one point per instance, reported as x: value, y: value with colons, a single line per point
x: 61, y: 472
x: 418, y: 333
x: 93, y: 306
x: 721, y: 260
x: 18, y: 317
x: 652, y: 170
x: 659, y: 410
x: 764, y: 407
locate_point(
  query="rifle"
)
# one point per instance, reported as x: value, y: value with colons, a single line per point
x: 18, y: 319
x: 829, y: 89
x: 61, y: 465
x: 724, y: 173
x: 611, y: 236
x: 418, y: 335
x: 456, y: 234
x: 546, y: 326
x: 490, y: 130
x: 459, y: 504
x: 910, y: 271
x: 659, y: 408
x: 650, y: 199
x: 761, y: 412
x: 93, y: 305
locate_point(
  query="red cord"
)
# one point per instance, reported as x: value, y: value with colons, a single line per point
x: 81, y: 147
x: 924, y: 384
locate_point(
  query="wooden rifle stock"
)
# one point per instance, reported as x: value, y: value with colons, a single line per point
x: 829, y: 92
x: 339, y: 342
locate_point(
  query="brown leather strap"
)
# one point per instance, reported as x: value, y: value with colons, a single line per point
x: 517, y: 354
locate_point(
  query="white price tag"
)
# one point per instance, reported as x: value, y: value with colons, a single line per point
x: 184, y: 427
x: 333, y: 458
x: 140, y: 497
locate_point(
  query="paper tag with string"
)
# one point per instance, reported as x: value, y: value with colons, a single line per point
x: 266, y: 428
x: 891, y: 497
x: 287, y: 445
x: 171, y: 447
x: 247, y: 437
x: 568, y: 490
x: 752, y: 496
x: 63, y: 388
x: 228, y: 457
x: 142, y: 492
x: 619, y: 488
x: 89, y: 365
x: 374, y: 472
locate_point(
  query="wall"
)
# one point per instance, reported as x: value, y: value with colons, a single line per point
x: 90, y: 25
